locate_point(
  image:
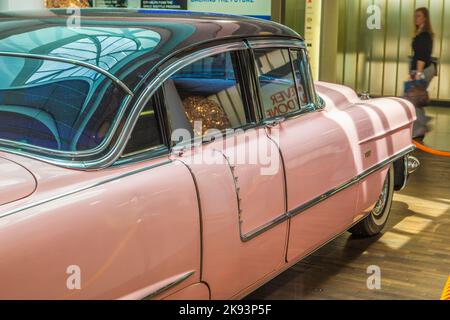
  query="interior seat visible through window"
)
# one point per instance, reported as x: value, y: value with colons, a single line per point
x: 210, y: 94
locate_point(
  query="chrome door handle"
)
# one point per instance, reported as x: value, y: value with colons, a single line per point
x: 272, y: 123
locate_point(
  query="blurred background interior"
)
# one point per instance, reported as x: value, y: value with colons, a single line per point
x: 343, y: 47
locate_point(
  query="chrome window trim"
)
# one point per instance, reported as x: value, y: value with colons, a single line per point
x: 117, y: 148
x: 165, y: 74
x: 312, y: 87
x: 76, y: 158
x: 308, y: 80
x: 276, y: 43
x: 297, y: 81
x: 147, y: 150
x: 290, y: 45
x: 330, y: 193
x: 149, y: 154
x: 70, y: 61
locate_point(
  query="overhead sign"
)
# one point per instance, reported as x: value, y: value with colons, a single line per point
x: 111, y: 3
x: 164, y: 4
x: 255, y: 8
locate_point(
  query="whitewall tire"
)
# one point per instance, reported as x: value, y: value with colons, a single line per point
x: 375, y: 222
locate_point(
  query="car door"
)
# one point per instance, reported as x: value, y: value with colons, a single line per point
x: 316, y: 150
x: 131, y: 231
x: 167, y: 199
x: 237, y: 169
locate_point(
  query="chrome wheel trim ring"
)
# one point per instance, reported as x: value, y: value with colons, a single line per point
x: 379, y: 211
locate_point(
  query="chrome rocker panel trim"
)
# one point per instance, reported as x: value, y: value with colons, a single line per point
x: 292, y: 213
x: 70, y: 61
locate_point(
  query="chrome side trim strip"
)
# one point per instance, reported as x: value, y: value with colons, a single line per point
x: 94, y: 185
x: 326, y: 195
x: 172, y: 284
x: 70, y: 61
x: 296, y: 260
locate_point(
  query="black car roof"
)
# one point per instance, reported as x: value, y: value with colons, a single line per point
x: 123, y: 42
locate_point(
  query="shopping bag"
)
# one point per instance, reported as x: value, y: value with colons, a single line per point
x: 416, y: 92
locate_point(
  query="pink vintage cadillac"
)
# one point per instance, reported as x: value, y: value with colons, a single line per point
x: 175, y: 155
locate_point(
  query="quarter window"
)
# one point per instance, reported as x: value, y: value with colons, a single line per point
x: 302, y: 70
x: 277, y: 83
x: 206, y: 95
x: 146, y: 134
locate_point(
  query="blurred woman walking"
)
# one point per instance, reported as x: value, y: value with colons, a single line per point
x: 422, y: 66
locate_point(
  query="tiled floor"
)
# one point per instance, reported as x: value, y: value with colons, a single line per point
x: 439, y: 136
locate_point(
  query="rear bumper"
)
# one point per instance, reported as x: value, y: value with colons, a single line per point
x: 404, y: 168
x: 411, y: 164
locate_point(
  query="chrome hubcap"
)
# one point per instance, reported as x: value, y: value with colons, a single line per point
x: 379, y: 207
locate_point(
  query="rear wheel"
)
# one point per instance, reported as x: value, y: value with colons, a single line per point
x: 375, y: 222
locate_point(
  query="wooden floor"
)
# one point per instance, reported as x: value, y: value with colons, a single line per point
x: 413, y: 252
x: 439, y: 126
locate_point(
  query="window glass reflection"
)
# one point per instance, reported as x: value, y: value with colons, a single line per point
x: 55, y: 105
x: 107, y: 48
x: 277, y: 82
x: 206, y: 95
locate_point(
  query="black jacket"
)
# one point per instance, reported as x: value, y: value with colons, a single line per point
x: 423, y: 48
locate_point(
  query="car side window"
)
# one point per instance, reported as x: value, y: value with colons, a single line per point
x: 146, y: 134
x: 277, y: 83
x: 206, y: 95
x: 302, y: 70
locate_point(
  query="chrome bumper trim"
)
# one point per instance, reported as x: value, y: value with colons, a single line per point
x: 412, y: 164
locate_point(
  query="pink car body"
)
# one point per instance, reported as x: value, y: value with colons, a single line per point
x: 172, y: 228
